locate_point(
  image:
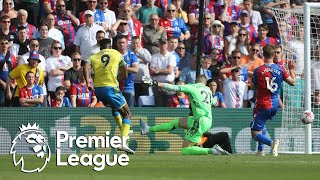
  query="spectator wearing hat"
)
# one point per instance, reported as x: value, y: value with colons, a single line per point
x: 34, y: 46
x: 86, y: 35
x: 19, y: 74
x: 152, y: 33
x: 162, y: 67
x: 215, y: 40
x: 98, y: 15
x: 255, y: 16
x: 7, y: 64
x: 245, y: 23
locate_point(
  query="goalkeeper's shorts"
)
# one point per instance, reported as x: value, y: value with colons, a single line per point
x: 197, y: 126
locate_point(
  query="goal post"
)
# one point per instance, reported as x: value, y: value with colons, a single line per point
x: 307, y: 73
x: 296, y: 137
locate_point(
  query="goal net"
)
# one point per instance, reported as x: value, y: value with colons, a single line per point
x: 291, y: 26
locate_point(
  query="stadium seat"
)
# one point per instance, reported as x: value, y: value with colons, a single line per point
x: 146, y: 101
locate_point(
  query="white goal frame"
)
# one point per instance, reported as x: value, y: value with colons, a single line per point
x: 307, y: 70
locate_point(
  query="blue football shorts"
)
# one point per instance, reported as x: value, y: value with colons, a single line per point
x: 111, y: 96
x: 260, y: 117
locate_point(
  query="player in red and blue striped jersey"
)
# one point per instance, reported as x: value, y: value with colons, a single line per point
x: 267, y: 80
x: 31, y: 95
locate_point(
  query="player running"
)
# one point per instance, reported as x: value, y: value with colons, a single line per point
x: 200, y: 98
x: 105, y: 65
x: 267, y: 80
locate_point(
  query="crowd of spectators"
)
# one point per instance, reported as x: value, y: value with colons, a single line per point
x: 43, y: 42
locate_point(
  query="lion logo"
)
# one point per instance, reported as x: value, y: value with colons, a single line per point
x: 30, y: 141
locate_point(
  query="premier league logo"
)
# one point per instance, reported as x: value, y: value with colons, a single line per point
x: 30, y: 141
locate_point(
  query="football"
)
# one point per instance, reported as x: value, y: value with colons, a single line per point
x: 307, y: 117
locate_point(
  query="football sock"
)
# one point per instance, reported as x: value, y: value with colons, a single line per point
x: 195, y: 150
x: 263, y: 139
x: 165, y: 126
x: 117, y: 117
x: 260, y: 145
x: 125, y: 128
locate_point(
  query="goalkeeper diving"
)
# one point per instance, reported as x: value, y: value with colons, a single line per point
x: 200, y: 98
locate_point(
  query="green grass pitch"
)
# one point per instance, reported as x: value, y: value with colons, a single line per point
x: 176, y: 167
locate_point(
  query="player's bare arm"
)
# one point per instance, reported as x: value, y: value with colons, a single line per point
x: 292, y: 79
x: 87, y: 70
x: 8, y: 90
x: 123, y: 73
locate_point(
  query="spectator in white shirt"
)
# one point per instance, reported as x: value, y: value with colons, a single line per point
x: 56, y: 65
x: 162, y: 70
x: 86, y: 35
x: 109, y: 15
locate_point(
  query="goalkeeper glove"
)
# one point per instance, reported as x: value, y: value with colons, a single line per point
x: 149, y: 81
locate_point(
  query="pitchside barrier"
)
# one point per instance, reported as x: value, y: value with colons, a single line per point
x: 96, y: 121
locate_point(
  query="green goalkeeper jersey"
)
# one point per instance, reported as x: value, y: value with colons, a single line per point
x: 200, y: 97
